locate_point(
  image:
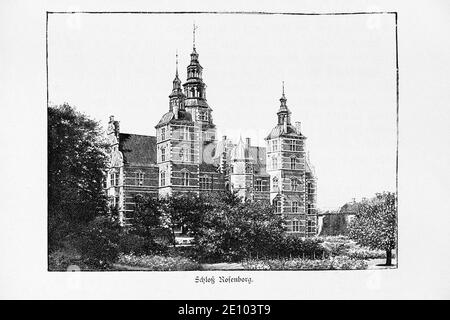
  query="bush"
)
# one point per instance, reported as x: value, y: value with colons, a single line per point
x: 294, y: 247
x: 98, y: 243
x: 140, y: 245
x: 333, y: 263
x: 365, y: 254
x: 159, y: 263
x: 61, y: 259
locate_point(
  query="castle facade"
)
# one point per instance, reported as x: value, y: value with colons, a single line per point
x: 186, y: 156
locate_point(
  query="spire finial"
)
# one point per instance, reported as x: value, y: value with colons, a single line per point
x: 283, y: 88
x: 193, y: 34
x: 176, y: 59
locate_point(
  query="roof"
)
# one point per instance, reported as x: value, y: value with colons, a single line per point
x: 170, y: 117
x: 279, y: 131
x: 240, y: 151
x: 258, y: 156
x: 137, y: 150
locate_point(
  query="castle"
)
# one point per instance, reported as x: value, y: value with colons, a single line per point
x: 185, y: 156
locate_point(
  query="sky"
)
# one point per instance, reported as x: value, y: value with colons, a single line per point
x: 339, y: 74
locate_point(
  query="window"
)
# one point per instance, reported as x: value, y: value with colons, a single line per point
x: 163, y: 134
x: 277, y: 206
x: 274, y: 145
x: 310, y: 208
x: 181, y: 154
x: 293, y: 163
x: 163, y: 154
x: 310, y: 188
x: 202, y: 116
x: 112, y: 178
x: 139, y: 178
x: 116, y: 179
x: 184, y: 178
x: 294, y: 184
x: 248, y: 168
x: 275, y: 184
x: 192, y: 154
x: 274, y: 163
x: 205, y: 183
x: 258, y: 185
x: 295, y: 226
x: 294, y: 206
x: 163, y: 179
x: 310, y: 226
x: 291, y: 145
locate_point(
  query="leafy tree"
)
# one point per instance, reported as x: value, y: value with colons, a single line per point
x: 76, y: 164
x: 149, y: 228
x: 98, y: 242
x: 232, y: 230
x: 375, y: 224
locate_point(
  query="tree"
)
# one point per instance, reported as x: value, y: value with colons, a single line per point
x: 375, y: 224
x: 149, y: 226
x: 76, y: 165
x: 232, y: 230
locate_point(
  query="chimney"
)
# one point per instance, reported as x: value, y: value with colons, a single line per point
x: 111, y: 119
x: 224, y: 138
x: 298, y: 126
x: 116, y: 128
x: 247, y: 142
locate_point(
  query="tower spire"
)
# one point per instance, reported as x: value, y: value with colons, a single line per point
x: 193, y: 35
x: 176, y: 68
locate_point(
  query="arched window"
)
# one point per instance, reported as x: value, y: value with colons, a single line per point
x: 184, y: 178
x: 277, y: 205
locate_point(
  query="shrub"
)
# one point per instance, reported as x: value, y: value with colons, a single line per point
x: 333, y: 263
x: 365, y: 254
x: 98, y: 243
x: 159, y: 263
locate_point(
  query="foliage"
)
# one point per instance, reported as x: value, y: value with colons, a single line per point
x: 98, y: 243
x: 375, y: 224
x: 333, y: 263
x: 233, y: 230
x: 76, y: 162
x: 159, y: 263
x: 290, y: 246
x: 365, y: 254
x: 61, y: 259
x: 149, y: 232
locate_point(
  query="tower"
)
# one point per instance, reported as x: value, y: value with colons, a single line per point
x: 177, y: 145
x: 241, y: 175
x: 287, y: 167
x: 195, y: 99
